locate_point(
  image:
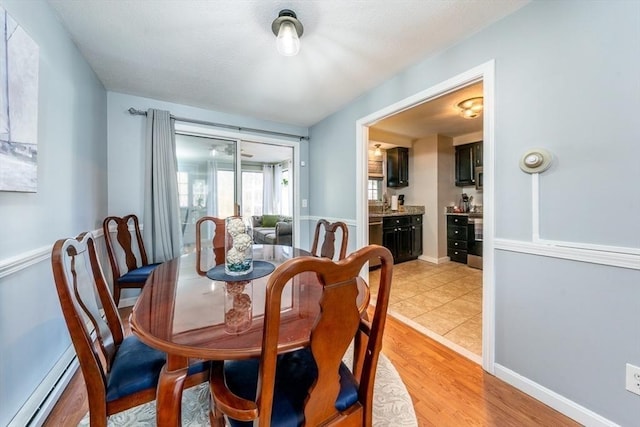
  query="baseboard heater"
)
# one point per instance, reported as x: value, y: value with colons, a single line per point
x: 39, y: 405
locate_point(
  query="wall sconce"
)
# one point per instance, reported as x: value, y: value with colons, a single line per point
x: 471, y: 108
x: 377, y: 153
x: 288, y: 30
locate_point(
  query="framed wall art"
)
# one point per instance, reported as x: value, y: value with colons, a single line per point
x: 19, y: 61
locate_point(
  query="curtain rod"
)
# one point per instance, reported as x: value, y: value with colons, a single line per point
x: 135, y: 112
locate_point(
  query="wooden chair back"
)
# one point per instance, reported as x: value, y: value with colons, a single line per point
x: 119, y: 371
x: 125, y: 249
x: 327, y: 246
x: 338, y: 325
x: 210, y: 232
x: 83, y: 292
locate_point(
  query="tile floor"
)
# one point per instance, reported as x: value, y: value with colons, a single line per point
x: 445, y: 299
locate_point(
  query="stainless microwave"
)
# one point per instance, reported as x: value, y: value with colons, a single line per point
x: 479, y: 177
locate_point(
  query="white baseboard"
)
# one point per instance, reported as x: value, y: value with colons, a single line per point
x: 434, y: 260
x: 558, y: 402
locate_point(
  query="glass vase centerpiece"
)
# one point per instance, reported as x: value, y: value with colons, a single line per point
x: 238, y: 258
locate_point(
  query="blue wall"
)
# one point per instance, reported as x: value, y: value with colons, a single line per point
x: 567, y: 78
x: 71, y: 197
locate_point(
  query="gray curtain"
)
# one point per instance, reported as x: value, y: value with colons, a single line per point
x: 162, y: 234
x: 267, y: 189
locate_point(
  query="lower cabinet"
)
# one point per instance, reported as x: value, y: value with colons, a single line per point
x: 460, y: 237
x: 402, y: 235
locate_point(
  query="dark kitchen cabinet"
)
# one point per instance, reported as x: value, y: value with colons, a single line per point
x: 416, y: 229
x: 398, y: 167
x: 460, y: 237
x: 468, y: 158
x: 402, y: 235
x: 477, y: 154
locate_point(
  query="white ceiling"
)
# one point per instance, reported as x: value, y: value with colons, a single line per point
x: 221, y: 54
x: 437, y: 116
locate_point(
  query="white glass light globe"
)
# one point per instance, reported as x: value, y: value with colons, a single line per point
x: 287, y: 42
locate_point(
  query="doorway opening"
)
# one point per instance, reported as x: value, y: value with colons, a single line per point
x: 221, y: 174
x: 366, y: 127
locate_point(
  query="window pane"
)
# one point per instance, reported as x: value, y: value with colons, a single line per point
x: 183, y: 189
x: 285, y: 195
x: 374, y: 189
x: 199, y: 193
x: 252, y: 191
x: 225, y: 193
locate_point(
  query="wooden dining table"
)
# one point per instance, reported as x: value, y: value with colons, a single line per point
x: 182, y: 313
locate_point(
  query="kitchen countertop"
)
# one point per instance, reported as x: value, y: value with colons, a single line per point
x: 407, y: 210
x: 469, y: 214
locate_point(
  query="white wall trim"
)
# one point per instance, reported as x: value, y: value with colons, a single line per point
x: 613, y: 258
x: 433, y: 260
x: 558, y: 402
x: 535, y: 206
x: 24, y: 260
x: 27, y: 259
x: 349, y: 222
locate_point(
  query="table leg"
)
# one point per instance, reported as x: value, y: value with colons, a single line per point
x: 169, y: 392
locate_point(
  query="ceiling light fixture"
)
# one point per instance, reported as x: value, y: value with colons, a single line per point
x: 377, y: 153
x: 471, y: 108
x: 288, y: 30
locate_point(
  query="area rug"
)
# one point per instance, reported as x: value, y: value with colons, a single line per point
x: 392, y: 404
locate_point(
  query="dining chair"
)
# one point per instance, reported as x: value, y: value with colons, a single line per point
x: 127, y: 256
x: 310, y: 386
x: 119, y: 372
x: 327, y: 248
x: 216, y: 241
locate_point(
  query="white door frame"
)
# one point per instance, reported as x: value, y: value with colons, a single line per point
x: 485, y: 73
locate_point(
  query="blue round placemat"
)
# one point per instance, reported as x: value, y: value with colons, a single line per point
x: 260, y: 269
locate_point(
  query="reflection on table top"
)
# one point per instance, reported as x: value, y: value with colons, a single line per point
x: 182, y: 312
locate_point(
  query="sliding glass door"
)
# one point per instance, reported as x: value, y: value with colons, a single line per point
x: 223, y: 177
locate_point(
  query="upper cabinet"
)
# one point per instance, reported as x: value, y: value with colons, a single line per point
x: 398, y: 167
x: 477, y: 154
x: 468, y: 158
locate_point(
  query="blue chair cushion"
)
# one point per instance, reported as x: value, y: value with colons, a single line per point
x: 137, y: 367
x: 295, y: 372
x: 138, y: 275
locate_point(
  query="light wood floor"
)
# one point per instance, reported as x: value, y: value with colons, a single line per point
x: 447, y: 389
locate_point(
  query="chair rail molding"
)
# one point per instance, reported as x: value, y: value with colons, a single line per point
x: 27, y: 259
x: 24, y: 260
x: 566, y: 250
x: 349, y: 222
